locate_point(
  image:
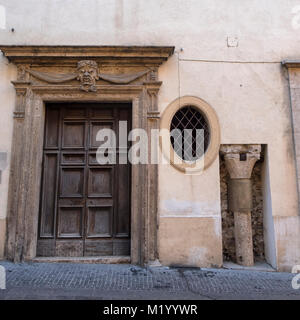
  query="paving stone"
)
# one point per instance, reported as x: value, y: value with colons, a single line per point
x: 103, y: 281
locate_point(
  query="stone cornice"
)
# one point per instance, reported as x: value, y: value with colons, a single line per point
x: 291, y: 63
x: 103, y: 55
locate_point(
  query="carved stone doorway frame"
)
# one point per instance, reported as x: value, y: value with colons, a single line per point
x: 52, y: 74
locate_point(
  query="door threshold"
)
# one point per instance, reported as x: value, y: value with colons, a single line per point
x: 103, y: 259
x: 258, y: 266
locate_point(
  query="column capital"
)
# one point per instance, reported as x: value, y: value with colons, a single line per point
x: 240, y: 159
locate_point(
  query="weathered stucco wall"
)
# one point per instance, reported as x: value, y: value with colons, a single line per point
x: 7, y: 94
x: 287, y: 226
x: 244, y: 83
x: 252, y: 103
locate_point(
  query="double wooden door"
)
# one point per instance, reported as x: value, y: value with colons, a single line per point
x: 85, y: 206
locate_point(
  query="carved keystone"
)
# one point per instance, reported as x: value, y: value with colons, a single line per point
x: 239, y: 161
x: 87, y: 74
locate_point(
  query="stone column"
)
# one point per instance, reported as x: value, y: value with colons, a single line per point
x: 239, y: 161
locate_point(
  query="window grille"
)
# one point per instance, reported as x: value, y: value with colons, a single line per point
x: 189, y: 118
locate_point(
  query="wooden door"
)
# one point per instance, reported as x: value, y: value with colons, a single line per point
x: 85, y: 207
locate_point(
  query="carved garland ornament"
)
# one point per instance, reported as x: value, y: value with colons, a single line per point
x: 87, y: 73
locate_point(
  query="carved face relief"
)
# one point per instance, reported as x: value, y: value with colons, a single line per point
x: 87, y: 75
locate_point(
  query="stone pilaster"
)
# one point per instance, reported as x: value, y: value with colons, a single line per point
x: 153, y: 118
x: 239, y: 161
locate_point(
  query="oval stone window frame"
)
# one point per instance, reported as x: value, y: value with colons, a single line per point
x: 214, y: 128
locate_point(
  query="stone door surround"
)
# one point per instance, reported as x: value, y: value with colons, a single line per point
x: 81, y: 74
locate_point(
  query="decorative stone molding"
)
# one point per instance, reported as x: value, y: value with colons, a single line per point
x: 154, y: 115
x: 291, y: 63
x: 87, y: 74
x: 150, y: 56
x: 21, y: 91
x: 239, y: 161
x: 237, y: 166
x: 214, y: 127
x: 51, y: 74
x: 22, y: 75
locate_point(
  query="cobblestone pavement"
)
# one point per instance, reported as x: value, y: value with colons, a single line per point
x: 100, y: 281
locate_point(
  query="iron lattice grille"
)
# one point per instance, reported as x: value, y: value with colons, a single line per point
x: 189, y: 118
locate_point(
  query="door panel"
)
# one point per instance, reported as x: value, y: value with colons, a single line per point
x: 99, y: 222
x: 73, y: 158
x: 122, y: 219
x: 94, y: 128
x: 99, y: 248
x: 85, y: 206
x: 70, y: 222
x: 69, y: 248
x: 71, y: 182
x: 48, y: 208
x: 100, y: 182
x: 74, y: 135
x: 52, y: 128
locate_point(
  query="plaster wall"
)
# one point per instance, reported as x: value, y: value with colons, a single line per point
x: 7, y: 94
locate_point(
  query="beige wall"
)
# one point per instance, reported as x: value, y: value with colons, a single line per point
x: 7, y: 105
x: 246, y: 85
x: 7, y: 94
